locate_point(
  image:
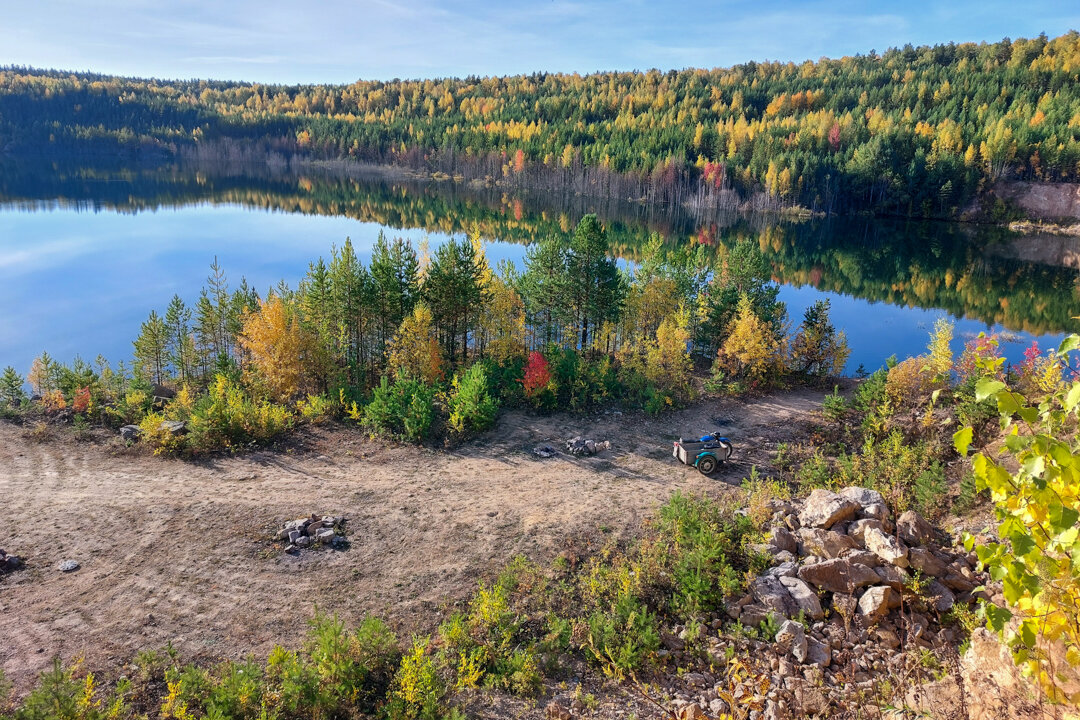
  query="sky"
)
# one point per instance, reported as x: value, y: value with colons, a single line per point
x: 340, y: 41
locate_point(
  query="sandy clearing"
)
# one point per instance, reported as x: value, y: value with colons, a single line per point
x: 177, y: 551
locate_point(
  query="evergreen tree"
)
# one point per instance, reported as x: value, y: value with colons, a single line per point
x: 453, y: 289
x: 395, y: 280
x: 595, y: 289
x: 11, y: 387
x: 152, y: 349
x: 181, y: 346
x: 543, y: 287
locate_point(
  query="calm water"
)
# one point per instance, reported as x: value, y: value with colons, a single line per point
x: 85, y: 254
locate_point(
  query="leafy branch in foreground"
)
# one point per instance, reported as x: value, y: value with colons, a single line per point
x: 1037, y: 506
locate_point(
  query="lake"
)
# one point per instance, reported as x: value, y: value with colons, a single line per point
x: 86, y: 252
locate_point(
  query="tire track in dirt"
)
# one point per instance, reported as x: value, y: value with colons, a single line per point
x: 179, y: 551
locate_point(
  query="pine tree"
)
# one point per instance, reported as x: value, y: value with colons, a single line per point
x: 152, y: 349
x: 752, y: 350
x: 395, y: 284
x: 180, y: 344
x: 543, y: 288
x: 453, y: 289
x: 11, y: 387
x: 595, y: 287
x: 42, y: 376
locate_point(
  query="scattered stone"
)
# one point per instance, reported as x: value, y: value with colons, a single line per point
x: 782, y: 540
x: 926, y: 562
x: 68, y: 566
x: 791, y: 638
x: 173, y: 427
x: 823, y: 509
x: 942, y: 597
x: 877, y: 601
x: 580, y: 447
x: 555, y: 711
x: 769, y: 591
x: 877, y: 511
x: 839, y: 575
x: 913, y: 529
x: 824, y: 543
x: 130, y: 433
x: 804, y: 597
x: 886, y: 547
x: 308, y: 531
x: 817, y: 652
x: 863, y: 496
x: 545, y: 451
x: 857, y: 529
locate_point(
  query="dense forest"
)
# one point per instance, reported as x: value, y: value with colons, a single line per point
x: 913, y: 131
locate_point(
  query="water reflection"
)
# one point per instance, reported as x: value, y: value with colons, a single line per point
x: 86, y: 251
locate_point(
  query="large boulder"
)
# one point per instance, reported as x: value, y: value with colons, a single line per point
x: 823, y: 509
x: 782, y: 540
x: 876, y: 602
x: 792, y: 639
x: 771, y: 593
x: 823, y: 543
x: 863, y: 496
x: 913, y: 529
x: 926, y: 562
x: 838, y: 576
x: 886, y: 547
x: 805, y: 599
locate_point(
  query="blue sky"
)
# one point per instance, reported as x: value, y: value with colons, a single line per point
x: 342, y: 40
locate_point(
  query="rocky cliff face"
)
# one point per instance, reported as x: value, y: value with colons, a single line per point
x: 1046, y: 202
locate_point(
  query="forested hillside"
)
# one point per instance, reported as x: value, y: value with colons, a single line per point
x: 915, y: 131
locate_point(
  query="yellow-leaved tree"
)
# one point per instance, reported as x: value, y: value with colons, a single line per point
x: 414, y: 351
x: 281, y: 354
x: 752, y: 351
x: 667, y: 358
x: 502, y: 324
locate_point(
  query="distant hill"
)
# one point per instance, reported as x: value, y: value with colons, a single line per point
x: 914, y: 131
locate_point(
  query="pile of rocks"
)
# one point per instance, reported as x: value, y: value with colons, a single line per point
x: 580, y: 447
x: 850, y: 586
x: 9, y: 563
x: 312, y: 531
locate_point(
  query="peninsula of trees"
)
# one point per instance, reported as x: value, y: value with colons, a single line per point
x: 913, y: 131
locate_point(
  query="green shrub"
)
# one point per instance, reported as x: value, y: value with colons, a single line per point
x: 708, y: 557
x: 405, y: 409
x: 418, y: 692
x: 621, y: 637
x: 473, y: 405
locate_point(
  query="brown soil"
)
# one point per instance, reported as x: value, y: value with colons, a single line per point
x: 179, y: 551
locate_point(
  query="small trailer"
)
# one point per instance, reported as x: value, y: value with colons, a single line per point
x: 705, y: 453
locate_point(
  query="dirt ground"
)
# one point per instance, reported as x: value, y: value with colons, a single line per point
x: 180, y: 552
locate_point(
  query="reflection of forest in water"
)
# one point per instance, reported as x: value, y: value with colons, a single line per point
x: 983, y: 273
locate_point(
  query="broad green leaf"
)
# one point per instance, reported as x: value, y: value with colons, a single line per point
x: 962, y: 440
x: 996, y: 617
x: 1069, y: 344
x: 1063, y: 518
x: 1073, y: 396
x: 1022, y: 543
x: 987, y: 387
x: 1009, y: 403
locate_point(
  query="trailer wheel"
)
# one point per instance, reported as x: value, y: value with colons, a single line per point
x: 707, y: 465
